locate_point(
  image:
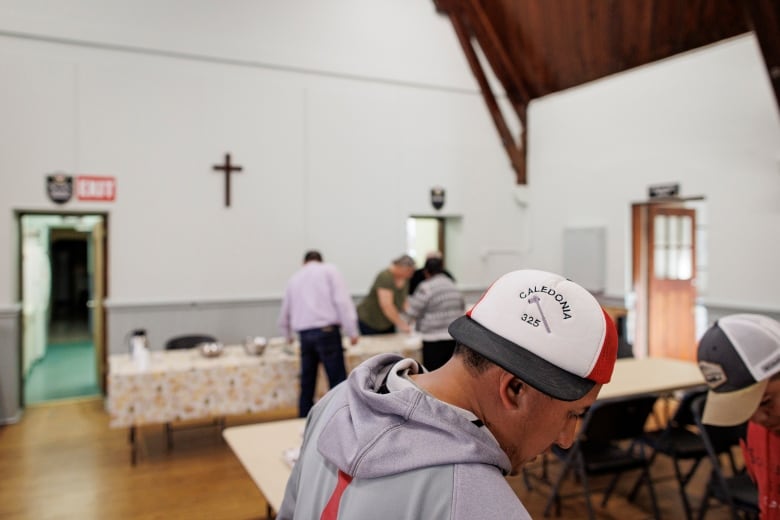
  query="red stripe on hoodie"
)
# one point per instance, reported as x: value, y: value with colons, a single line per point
x: 331, y: 511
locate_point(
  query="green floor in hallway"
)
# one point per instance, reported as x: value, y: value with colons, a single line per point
x: 67, y: 370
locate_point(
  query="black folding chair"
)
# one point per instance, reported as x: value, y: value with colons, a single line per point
x: 734, y: 488
x: 188, y: 341
x: 679, y: 440
x: 607, y: 445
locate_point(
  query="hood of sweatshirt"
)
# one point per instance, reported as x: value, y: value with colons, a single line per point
x: 369, y: 434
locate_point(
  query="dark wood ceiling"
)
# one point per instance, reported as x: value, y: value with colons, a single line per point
x: 538, y: 47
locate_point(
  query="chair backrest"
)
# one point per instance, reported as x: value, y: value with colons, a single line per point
x: 738, y: 491
x: 718, y: 439
x: 188, y: 341
x: 617, y: 419
x: 683, y: 416
x: 625, y: 349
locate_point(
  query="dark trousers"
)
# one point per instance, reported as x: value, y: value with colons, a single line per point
x: 368, y: 330
x: 436, y: 353
x: 319, y: 345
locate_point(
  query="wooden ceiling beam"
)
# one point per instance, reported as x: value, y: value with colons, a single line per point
x: 496, y: 54
x: 538, y: 47
x: 764, y: 17
x: 516, y: 151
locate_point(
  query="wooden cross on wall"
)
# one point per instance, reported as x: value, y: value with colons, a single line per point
x: 228, y: 169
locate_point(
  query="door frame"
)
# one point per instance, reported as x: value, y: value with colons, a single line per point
x: 448, y: 236
x: 99, y: 282
x: 642, y: 267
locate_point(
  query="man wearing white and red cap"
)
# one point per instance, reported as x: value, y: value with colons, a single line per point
x: 739, y: 357
x: 396, y: 442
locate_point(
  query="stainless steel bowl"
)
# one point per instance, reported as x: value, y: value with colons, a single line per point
x: 211, y: 349
x: 255, y: 346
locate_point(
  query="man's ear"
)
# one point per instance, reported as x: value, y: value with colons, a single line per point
x: 511, y: 389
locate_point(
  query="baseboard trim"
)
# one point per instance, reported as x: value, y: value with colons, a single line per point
x: 11, y: 420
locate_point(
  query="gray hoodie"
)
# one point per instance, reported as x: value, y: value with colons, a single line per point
x: 400, y: 455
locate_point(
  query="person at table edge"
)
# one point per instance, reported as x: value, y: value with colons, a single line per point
x: 380, y: 311
x: 317, y: 306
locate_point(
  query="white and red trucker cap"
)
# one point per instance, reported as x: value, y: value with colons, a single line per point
x: 737, y: 356
x: 545, y: 329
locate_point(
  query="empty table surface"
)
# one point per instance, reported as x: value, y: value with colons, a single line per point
x: 651, y: 376
x: 260, y: 448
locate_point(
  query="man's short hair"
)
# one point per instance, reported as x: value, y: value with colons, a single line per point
x: 434, y: 266
x: 404, y: 261
x: 312, y: 255
x: 471, y: 358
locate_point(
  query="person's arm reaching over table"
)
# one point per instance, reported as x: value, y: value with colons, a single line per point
x: 387, y: 305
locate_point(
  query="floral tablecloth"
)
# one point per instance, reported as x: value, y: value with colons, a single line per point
x: 182, y: 384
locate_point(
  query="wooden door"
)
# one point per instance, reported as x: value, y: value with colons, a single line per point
x: 98, y: 261
x: 664, y: 248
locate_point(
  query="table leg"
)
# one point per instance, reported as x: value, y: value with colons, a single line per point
x: 133, y: 445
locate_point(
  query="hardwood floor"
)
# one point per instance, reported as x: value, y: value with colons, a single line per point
x: 62, y: 461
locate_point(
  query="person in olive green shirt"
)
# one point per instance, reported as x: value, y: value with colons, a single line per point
x: 380, y: 311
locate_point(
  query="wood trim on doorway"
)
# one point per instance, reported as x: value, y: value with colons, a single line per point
x: 100, y: 339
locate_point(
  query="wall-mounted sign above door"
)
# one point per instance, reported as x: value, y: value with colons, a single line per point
x: 95, y: 187
x: 437, y: 197
x: 663, y: 191
x: 60, y: 187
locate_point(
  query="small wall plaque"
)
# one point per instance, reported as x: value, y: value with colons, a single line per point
x: 437, y: 197
x: 59, y: 187
x: 663, y: 191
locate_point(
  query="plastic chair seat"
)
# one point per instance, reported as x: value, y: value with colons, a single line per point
x: 680, y: 443
x: 606, y: 444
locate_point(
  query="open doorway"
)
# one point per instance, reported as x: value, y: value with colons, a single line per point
x: 62, y: 274
x: 425, y: 235
x: 428, y: 233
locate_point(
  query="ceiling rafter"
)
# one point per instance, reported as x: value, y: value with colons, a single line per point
x: 764, y: 18
x: 538, y: 47
x: 515, y: 150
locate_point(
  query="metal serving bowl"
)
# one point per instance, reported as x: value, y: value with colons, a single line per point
x: 255, y: 346
x: 211, y: 349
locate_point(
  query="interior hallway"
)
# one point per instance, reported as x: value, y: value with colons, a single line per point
x: 63, y: 461
x: 68, y: 369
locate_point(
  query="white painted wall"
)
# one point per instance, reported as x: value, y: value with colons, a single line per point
x: 342, y: 129
x: 335, y: 160
x: 706, y: 119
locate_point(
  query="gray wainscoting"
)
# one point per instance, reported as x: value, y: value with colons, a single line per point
x: 714, y: 312
x: 10, y: 384
x: 229, y: 321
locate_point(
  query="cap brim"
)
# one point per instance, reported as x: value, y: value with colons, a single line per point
x: 537, y: 372
x: 732, y: 408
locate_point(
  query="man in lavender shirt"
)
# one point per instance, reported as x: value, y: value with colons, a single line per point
x: 317, y: 306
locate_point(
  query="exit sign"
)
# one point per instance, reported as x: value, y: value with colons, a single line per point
x: 94, y: 187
